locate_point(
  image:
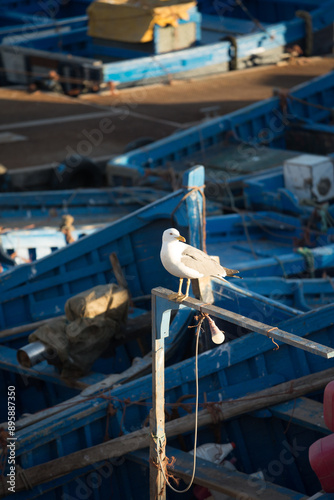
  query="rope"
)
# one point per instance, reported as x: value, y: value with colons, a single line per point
x: 249, y: 239
x: 25, y: 479
x: 281, y: 264
x: 273, y: 341
x: 265, y: 229
x: 242, y: 216
x: 205, y: 405
x: 309, y: 259
x: 111, y: 411
x: 321, y: 209
x: 253, y: 18
x: 284, y: 95
x: 201, y: 191
x: 161, y: 66
x: 159, y: 447
x: 68, y: 202
x: 291, y: 417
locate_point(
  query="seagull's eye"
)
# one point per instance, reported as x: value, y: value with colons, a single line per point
x: 171, y: 234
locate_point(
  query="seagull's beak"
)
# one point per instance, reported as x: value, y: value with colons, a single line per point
x: 180, y: 238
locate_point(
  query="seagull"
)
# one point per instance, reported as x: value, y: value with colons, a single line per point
x: 187, y: 262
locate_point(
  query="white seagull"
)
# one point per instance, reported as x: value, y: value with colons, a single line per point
x: 187, y: 262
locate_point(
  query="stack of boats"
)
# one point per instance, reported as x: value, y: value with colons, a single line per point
x: 87, y: 436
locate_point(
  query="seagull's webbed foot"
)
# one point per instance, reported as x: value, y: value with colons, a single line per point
x: 179, y: 297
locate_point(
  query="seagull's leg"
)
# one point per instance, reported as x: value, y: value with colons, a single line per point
x: 180, y: 287
x: 177, y: 296
x: 187, y: 290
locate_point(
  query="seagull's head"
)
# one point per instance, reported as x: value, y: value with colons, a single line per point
x: 172, y: 234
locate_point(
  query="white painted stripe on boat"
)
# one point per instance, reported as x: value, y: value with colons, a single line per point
x: 6, y: 137
x: 154, y: 119
x: 55, y: 120
x: 86, y: 116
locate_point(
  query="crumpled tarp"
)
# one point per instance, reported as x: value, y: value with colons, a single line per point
x: 102, y: 299
x: 94, y: 318
x: 133, y: 21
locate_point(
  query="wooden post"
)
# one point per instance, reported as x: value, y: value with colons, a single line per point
x: 161, y: 313
x: 157, y: 414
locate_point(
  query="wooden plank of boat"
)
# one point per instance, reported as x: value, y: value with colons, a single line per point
x: 136, y: 440
x: 303, y: 411
x: 218, y: 478
x: 29, y: 327
x: 86, y: 205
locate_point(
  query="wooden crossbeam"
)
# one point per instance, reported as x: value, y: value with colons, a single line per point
x: 250, y: 324
x: 215, y: 477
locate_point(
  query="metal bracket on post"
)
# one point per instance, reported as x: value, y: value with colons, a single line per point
x: 161, y: 313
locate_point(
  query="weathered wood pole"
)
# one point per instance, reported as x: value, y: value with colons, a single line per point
x: 157, y: 414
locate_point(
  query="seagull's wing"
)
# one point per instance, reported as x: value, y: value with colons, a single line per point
x: 203, y: 263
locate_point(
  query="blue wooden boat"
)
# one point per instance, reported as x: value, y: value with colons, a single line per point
x: 14, y: 23
x: 98, y: 205
x: 267, y: 244
x: 282, y: 302
x: 31, y: 220
x: 27, y: 245
x: 259, y: 244
x: 94, y: 252
x: 302, y: 294
x: 136, y: 240
x: 227, y: 37
x: 240, y: 367
x: 47, y: 284
x: 268, y: 191
x: 250, y: 140
x: 275, y: 298
x: 37, y: 291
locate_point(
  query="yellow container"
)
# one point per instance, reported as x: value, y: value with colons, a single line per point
x: 133, y: 21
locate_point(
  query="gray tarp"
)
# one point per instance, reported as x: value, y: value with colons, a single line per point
x: 94, y: 317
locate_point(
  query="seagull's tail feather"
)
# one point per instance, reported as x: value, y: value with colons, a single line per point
x: 231, y: 284
x: 231, y: 273
x: 223, y: 279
